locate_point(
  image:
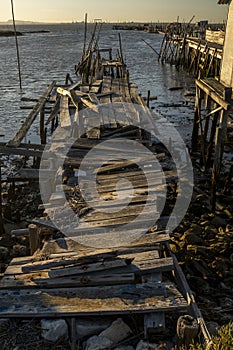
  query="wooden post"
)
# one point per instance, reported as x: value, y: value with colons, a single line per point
x: 73, y: 334
x: 33, y: 238
x: 148, y: 99
x: 219, y: 145
x: 212, y: 135
x: 207, y: 119
x: 120, y: 45
x: 2, y: 230
x: 42, y: 129
x: 17, y: 45
x: 52, y: 126
x: 197, y: 116
x: 161, y: 47
x: 85, y: 38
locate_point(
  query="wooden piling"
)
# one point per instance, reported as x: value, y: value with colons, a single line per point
x: 42, y: 127
x: 85, y: 38
x: 148, y: 99
x: 120, y: 46
x: 17, y: 45
x: 33, y: 238
x: 197, y: 115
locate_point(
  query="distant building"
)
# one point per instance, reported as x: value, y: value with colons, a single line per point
x: 226, y: 75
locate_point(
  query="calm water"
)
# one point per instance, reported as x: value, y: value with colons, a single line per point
x: 49, y: 56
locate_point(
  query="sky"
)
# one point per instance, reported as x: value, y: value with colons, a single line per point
x: 113, y: 10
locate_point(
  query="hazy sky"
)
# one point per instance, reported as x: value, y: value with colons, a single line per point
x: 113, y: 10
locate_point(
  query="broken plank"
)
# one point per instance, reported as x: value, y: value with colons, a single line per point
x: 83, y: 258
x: 41, y: 280
x: 64, y: 112
x: 87, y: 301
x: 99, y: 266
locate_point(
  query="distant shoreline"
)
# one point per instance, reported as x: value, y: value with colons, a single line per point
x: 25, y: 23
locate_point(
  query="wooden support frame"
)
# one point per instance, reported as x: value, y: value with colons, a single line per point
x: 217, y: 103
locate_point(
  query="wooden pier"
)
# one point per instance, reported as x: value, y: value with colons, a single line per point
x: 197, y: 56
x: 200, y: 55
x: 62, y: 277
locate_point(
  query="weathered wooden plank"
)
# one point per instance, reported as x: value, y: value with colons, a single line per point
x: 80, y: 269
x: 105, y: 278
x: 126, y: 214
x: 138, y: 266
x: 29, y: 264
x: 42, y: 280
x: 64, y: 112
x: 108, y: 115
x: 90, y: 301
x: 125, y: 163
x: 15, y: 141
x: 84, y: 258
x: 151, y: 181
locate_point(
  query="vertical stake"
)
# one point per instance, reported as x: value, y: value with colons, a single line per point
x: 17, y: 46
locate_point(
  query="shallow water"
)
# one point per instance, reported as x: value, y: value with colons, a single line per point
x: 49, y: 56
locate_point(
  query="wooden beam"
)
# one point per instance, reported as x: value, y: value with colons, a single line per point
x: 212, y: 93
x: 86, y: 301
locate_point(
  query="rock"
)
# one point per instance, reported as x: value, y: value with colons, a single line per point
x: 213, y: 328
x: 117, y: 332
x: 193, y: 239
x: 217, y: 221
x: 4, y: 252
x: 142, y: 345
x: 187, y: 329
x: 211, y: 231
x: 191, y: 236
x: 195, y: 229
x: 91, y: 326
x: 98, y: 343
x: 52, y: 330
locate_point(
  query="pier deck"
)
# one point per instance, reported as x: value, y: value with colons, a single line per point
x: 110, y: 268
